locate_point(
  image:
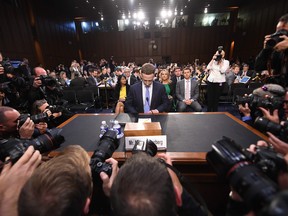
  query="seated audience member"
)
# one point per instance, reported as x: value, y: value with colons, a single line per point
x: 136, y: 75
x: 177, y: 76
x: 93, y: 79
x: 130, y: 79
x: 232, y: 75
x: 145, y: 186
x: 246, y: 72
x: 147, y: 96
x: 78, y: 82
x: 120, y: 93
x: 12, y: 179
x: 9, y: 120
x: 75, y: 69
x: 62, y: 186
x: 64, y: 81
x: 169, y: 87
x: 187, y: 93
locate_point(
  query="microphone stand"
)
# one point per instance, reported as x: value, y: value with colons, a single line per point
x: 106, y: 93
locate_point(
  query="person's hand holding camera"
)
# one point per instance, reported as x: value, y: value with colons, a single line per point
x: 27, y: 129
x: 13, y: 178
x: 107, y: 182
x: 245, y: 109
x: 42, y: 127
x: 266, y: 114
x: 283, y: 45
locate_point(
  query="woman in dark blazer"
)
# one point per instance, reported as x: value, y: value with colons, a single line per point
x: 120, y: 93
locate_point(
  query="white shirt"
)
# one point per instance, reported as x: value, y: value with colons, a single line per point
x: 217, y: 72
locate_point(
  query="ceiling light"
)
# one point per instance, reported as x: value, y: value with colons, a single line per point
x: 102, y: 18
x: 163, y: 13
x: 166, y: 20
x: 157, y: 22
x: 126, y: 22
x: 181, y: 13
x: 141, y: 15
x: 146, y: 22
x: 97, y: 24
x: 169, y: 13
x: 135, y: 15
x: 123, y: 16
x: 205, y: 10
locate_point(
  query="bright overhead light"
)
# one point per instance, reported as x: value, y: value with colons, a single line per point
x: 181, y: 13
x: 175, y: 13
x: 163, y: 13
x: 135, y: 15
x: 123, y: 16
x: 169, y: 13
x: 97, y: 24
x: 166, y: 20
x: 205, y: 10
x: 141, y: 15
x: 157, y: 22
x: 138, y: 23
x: 102, y: 18
x: 126, y: 22
x: 146, y: 22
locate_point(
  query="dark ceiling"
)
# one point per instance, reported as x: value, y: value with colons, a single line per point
x: 114, y: 9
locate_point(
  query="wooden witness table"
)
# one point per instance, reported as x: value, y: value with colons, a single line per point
x: 189, y: 138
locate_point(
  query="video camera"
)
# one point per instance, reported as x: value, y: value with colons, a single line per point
x: 270, y: 103
x: 48, y: 81
x: 106, y: 147
x: 252, y: 176
x: 275, y: 38
x: 42, y: 117
x: 15, y: 148
x: 219, y: 55
x: 265, y: 125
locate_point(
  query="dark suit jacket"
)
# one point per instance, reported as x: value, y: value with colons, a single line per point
x: 159, y: 101
x: 78, y: 82
x: 180, y: 90
x: 91, y: 81
x: 174, y: 80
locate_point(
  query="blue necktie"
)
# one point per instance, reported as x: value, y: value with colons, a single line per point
x: 147, y: 99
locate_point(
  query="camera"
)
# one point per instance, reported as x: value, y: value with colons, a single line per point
x: 15, y: 148
x: 42, y: 117
x: 8, y: 67
x: 148, y: 147
x: 275, y: 38
x: 252, y: 176
x: 265, y: 125
x: 48, y: 81
x: 219, y: 55
x: 253, y: 101
x: 106, y: 147
x: 6, y: 87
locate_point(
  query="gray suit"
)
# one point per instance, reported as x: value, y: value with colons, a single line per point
x: 194, y: 94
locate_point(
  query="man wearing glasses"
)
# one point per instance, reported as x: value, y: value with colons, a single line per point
x: 147, y: 96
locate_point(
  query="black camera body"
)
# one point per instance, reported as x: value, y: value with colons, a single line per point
x: 219, y: 55
x: 42, y: 117
x: 15, y: 148
x: 149, y: 147
x: 8, y: 67
x: 252, y: 176
x: 275, y: 38
x: 48, y: 81
x: 270, y: 103
x: 106, y: 147
x: 265, y: 125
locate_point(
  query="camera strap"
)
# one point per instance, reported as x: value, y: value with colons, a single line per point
x: 189, y: 187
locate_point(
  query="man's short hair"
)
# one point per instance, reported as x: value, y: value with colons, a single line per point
x: 187, y: 68
x: 58, y: 187
x: 143, y: 187
x: 284, y: 18
x: 148, y: 69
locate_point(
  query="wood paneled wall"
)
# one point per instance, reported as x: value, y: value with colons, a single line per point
x: 43, y: 38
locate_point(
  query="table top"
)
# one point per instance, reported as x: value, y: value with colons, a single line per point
x: 189, y: 135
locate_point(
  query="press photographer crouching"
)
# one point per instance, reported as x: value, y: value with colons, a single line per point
x: 256, y: 178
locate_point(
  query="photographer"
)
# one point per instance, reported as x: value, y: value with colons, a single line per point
x: 217, y: 69
x: 274, y: 53
x: 159, y: 191
x: 9, y: 118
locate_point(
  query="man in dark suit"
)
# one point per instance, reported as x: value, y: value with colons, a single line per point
x: 187, y: 93
x: 130, y: 79
x: 78, y: 81
x: 246, y: 72
x: 93, y: 79
x: 177, y: 76
x: 147, y: 96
